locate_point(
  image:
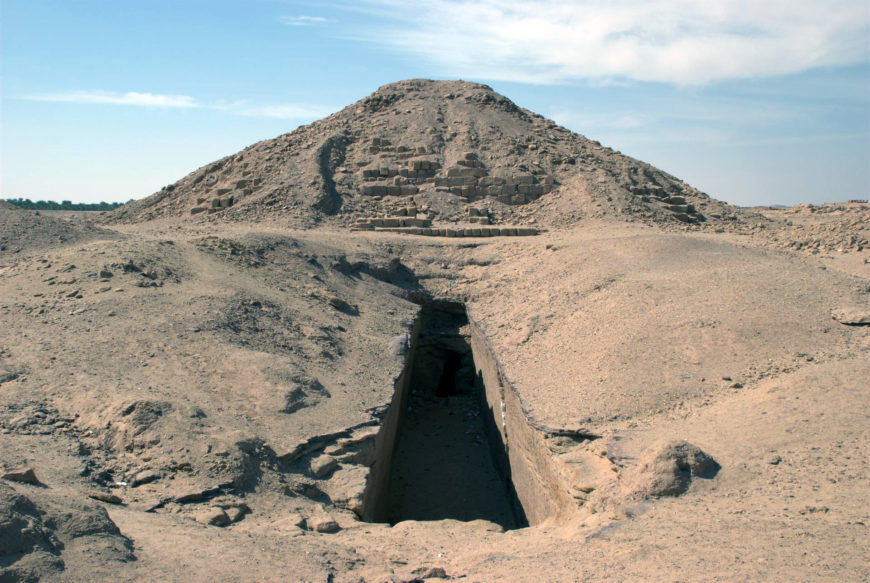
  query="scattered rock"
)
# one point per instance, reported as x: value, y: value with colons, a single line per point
x: 323, y: 523
x: 144, y: 477
x: 852, y: 316
x: 343, y: 306
x: 24, y: 475
x: 105, y: 497
x: 295, y: 519
x: 322, y: 466
x: 213, y: 517
x: 430, y: 573
x: 773, y: 459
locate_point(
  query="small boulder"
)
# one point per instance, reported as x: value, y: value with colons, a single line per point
x: 343, y: 306
x: 667, y: 469
x: 24, y: 475
x: 323, y: 523
x: 852, y: 316
x: 105, y: 497
x: 322, y: 465
x: 213, y: 517
x: 144, y: 477
x: 430, y: 573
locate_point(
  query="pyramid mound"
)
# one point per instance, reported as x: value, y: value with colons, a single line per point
x: 432, y: 148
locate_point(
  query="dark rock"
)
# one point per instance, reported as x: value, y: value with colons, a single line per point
x: 144, y: 477
x: 24, y: 475
x: 105, y: 497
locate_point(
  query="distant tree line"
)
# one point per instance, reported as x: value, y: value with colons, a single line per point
x: 65, y: 205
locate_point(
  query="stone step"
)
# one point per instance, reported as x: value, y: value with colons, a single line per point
x: 457, y: 231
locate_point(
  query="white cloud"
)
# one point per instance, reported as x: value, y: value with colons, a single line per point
x: 298, y: 111
x: 110, y: 98
x: 681, y: 42
x: 302, y: 20
x: 287, y: 111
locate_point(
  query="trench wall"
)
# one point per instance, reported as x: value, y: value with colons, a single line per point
x: 375, y: 501
x: 529, y: 466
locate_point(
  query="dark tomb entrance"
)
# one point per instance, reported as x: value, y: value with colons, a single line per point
x: 443, y: 466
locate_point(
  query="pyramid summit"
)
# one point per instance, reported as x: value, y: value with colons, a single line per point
x: 445, y: 150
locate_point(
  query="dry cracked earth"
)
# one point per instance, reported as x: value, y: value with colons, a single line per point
x: 434, y: 337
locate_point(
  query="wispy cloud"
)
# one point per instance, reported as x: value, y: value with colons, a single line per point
x: 289, y: 111
x: 302, y: 20
x: 681, y: 42
x: 293, y: 111
x: 110, y: 98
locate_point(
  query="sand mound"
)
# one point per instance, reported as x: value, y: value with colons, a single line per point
x: 23, y: 231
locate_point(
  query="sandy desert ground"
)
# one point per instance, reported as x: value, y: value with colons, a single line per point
x: 656, y: 386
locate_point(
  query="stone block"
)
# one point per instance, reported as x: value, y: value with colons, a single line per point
x: 491, y: 181
x: 465, y: 171
x: 322, y: 466
x: 408, y: 189
x: 198, y: 209
x: 223, y: 191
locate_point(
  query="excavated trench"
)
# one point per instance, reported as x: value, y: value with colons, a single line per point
x: 456, y: 443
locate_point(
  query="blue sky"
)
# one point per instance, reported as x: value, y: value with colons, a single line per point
x: 752, y: 102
